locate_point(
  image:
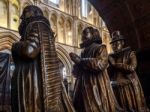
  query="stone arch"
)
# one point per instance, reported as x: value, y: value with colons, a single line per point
x: 61, y: 29
x: 69, y: 31
x: 62, y: 16
x: 7, y: 39
x: 66, y: 61
x: 46, y: 13
x: 53, y: 23
x: 53, y: 12
x: 26, y: 4
x: 64, y: 56
x: 80, y: 27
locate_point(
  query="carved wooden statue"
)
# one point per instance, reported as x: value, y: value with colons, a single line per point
x: 5, y: 81
x: 125, y: 82
x: 36, y: 82
x: 93, y: 92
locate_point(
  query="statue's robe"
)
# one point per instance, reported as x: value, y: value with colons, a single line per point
x: 93, y: 92
x: 5, y: 82
x: 36, y: 82
x: 125, y: 82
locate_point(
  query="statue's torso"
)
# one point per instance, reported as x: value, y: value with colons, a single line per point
x: 121, y: 76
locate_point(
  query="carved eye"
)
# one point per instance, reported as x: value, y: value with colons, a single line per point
x: 28, y: 14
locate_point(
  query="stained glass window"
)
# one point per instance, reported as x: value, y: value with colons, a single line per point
x: 55, y: 1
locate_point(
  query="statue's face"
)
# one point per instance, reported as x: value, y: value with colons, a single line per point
x: 86, y: 35
x: 27, y: 14
x: 118, y: 45
x: 31, y: 11
x: 96, y: 33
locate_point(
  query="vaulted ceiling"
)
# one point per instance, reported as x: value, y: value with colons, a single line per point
x: 132, y: 17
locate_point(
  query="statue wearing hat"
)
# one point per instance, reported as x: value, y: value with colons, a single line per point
x: 125, y: 82
x: 92, y: 92
x: 36, y: 82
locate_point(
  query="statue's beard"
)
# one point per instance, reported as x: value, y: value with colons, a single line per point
x: 22, y: 29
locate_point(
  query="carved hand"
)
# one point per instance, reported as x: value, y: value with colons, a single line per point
x: 75, y: 58
x: 112, y: 61
x: 124, y: 67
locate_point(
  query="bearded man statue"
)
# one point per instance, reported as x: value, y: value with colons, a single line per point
x: 36, y: 82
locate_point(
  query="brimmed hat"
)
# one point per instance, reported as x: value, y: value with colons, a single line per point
x: 116, y: 36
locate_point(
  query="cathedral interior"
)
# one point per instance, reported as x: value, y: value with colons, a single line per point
x: 69, y: 17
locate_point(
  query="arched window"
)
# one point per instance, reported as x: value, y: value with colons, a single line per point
x: 78, y: 10
x: 68, y: 6
x: 95, y: 17
x: 53, y: 22
x: 103, y: 24
x: 3, y: 13
x: 84, y: 9
x: 90, y: 13
x: 46, y: 14
x: 106, y: 40
x: 79, y: 36
x: 62, y: 5
x: 61, y: 31
x: 14, y: 15
x: 68, y: 32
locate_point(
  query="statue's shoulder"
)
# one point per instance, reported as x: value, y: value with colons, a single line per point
x: 102, y: 46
